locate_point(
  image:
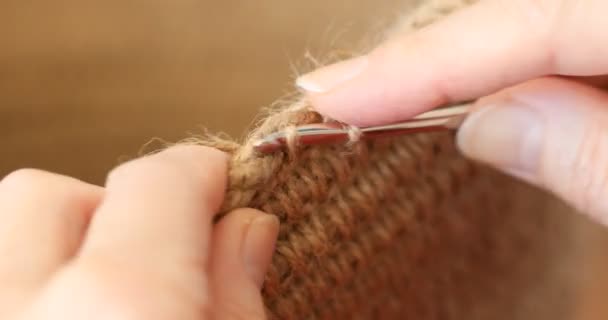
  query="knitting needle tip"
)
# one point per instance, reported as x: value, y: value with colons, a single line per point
x: 322, y: 133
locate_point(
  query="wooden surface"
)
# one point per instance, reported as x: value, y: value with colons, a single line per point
x: 86, y: 83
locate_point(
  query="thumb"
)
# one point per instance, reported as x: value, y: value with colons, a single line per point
x: 551, y: 132
x: 243, y: 245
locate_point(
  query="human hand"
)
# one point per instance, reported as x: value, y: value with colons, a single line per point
x: 142, y: 248
x: 551, y: 131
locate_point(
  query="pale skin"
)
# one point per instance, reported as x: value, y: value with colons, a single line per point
x: 144, y: 246
x: 537, y: 66
x: 141, y: 247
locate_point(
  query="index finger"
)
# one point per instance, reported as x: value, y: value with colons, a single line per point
x: 158, y: 210
x: 476, y: 51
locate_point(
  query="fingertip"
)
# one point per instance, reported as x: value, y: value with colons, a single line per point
x: 244, y: 240
x: 207, y: 159
x: 235, y: 223
x: 259, y: 246
x: 332, y: 76
x: 400, y: 80
x: 413, y: 72
x: 235, y: 273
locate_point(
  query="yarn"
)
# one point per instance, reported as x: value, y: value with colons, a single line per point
x: 354, y: 134
x: 401, y: 228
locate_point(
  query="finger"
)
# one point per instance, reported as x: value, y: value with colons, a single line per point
x: 477, y: 51
x: 156, y: 216
x: 552, y: 132
x: 243, y: 244
x: 600, y: 81
x: 43, y: 218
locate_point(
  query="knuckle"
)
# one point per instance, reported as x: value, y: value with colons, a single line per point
x: 183, y: 164
x: 64, y: 194
x: 32, y: 180
x: 196, y: 151
x: 23, y: 176
x: 143, y: 170
x: 541, y: 15
x: 149, y: 171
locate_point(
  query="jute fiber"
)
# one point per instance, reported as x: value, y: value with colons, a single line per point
x: 401, y: 228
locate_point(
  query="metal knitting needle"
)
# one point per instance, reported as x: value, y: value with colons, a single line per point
x: 445, y: 118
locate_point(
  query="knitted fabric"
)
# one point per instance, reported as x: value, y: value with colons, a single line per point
x: 401, y: 228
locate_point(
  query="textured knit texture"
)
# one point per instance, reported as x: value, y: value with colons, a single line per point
x: 401, y: 228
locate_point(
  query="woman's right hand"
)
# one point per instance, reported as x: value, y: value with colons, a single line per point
x: 551, y: 131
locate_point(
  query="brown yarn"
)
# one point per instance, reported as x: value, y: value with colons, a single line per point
x: 404, y: 228
x: 401, y: 228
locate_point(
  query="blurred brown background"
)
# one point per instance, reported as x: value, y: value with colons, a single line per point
x: 85, y: 83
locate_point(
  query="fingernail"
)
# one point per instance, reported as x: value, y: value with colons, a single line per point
x: 259, y: 246
x: 508, y: 136
x: 326, y: 78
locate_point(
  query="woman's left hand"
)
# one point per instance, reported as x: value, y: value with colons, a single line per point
x: 144, y: 247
